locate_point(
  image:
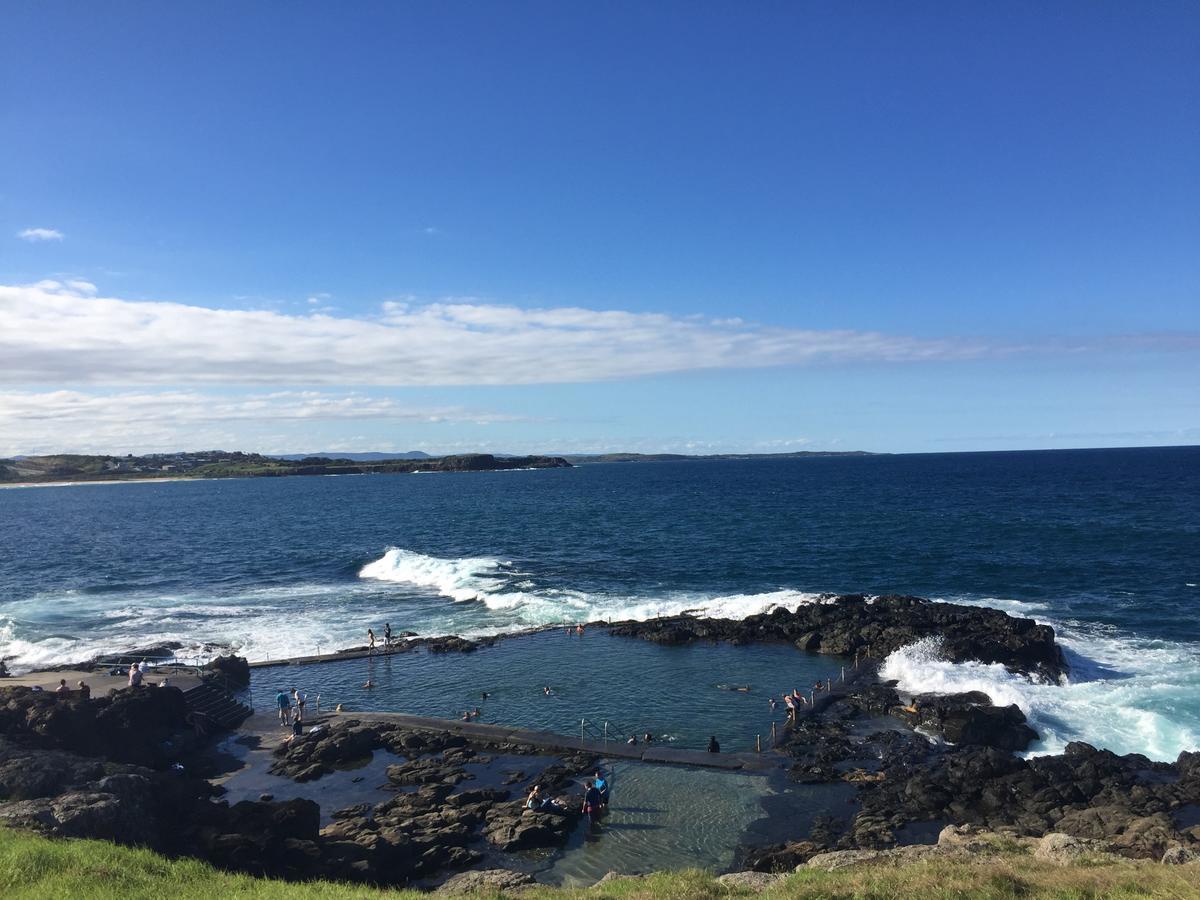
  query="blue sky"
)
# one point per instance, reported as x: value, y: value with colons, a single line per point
x: 546, y: 226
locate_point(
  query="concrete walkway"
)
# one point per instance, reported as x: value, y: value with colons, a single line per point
x: 101, y: 683
x: 262, y: 724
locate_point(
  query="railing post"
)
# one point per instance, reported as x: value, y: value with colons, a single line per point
x: 843, y: 674
x: 582, y: 722
x: 774, y: 736
x: 606, y: 732
x: 758, y: 743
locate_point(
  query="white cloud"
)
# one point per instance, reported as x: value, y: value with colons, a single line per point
x: 60, y: 333
x: 145, y: 421
x: 34, y: 235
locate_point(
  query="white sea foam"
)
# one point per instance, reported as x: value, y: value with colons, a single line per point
x: 1126, y: 694
x: 495, y: 584
x: 463, y: 579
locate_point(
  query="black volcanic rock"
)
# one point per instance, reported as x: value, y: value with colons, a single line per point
x: 135, y: 725
x: 851, y: 624
x: 969, y: 719
x: 233, y: 668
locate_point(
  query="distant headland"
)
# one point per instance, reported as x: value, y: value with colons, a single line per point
x: 71, y: 467
x: 217, y: 464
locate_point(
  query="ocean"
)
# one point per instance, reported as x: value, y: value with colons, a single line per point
x: 1104, y: 545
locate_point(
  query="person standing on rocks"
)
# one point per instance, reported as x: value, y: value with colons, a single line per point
x: 285, y: 708
x: 301, y: 698
x: 713, y: 746
x: 370, y: 641
x: 387, y: 637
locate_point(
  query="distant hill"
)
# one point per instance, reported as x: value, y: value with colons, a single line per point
x: 221, y: 464
x: 357, y: 457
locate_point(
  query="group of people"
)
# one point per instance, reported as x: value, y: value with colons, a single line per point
x: 647, y: 738
x: 291, y: 708
x: 595, y: 798
x: 387, y: 638
x: 63, y: 690
x: 796, y: 700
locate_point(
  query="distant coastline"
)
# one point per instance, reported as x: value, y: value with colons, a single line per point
x: 70, y: 469
x: 64, y: 470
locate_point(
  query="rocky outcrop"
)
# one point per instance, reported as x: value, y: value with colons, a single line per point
x: 441, y: 644
x: 419, y: 833
x: 233, y: 669
x: 969, y: 719
x: 851, y: 624
x: 488, y: 881
x: 1123, y: 801
x: 146, y: 726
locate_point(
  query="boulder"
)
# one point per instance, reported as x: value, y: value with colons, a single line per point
x: 1064, y: 848
x: 751, y: 881
x: 235, y: 669
x: 491, y: 881
x: 969, y: 719
x: 1179, y: 855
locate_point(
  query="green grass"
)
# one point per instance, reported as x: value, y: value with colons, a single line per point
x: 35, y: 867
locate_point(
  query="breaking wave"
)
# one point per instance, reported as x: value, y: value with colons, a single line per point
x: 494, y: 583
x: 1126, y: 694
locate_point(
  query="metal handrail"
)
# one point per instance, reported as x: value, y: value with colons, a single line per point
x: 611, y: 731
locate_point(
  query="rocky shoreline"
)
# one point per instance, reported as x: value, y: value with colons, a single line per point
x: 121, y: 767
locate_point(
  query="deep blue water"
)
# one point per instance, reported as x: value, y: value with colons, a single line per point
x: 1105, y: 545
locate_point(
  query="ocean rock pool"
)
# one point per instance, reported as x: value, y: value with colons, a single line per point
x: 680, y: 695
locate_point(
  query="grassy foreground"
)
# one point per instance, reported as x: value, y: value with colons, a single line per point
x: 35, y: 867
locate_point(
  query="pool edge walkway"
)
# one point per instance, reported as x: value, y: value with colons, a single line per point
x: 546, y: 740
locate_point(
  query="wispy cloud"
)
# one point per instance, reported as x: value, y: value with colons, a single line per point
x: 62, y: 333
x: 34, y: 235
x: 54, y: 332
x: 54, y: 421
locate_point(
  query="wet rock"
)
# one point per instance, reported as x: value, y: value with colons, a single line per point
x: 510, y: 830
x: 849, y: 624
x: 426, y: 770
x: 359, y: 810
x: 969, y: 719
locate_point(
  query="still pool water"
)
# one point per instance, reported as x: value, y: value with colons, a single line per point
x: 678, y: 694
x: 660, y: 817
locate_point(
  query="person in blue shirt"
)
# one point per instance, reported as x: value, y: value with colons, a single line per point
x: 284, y: 702
x: 602, y: 787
